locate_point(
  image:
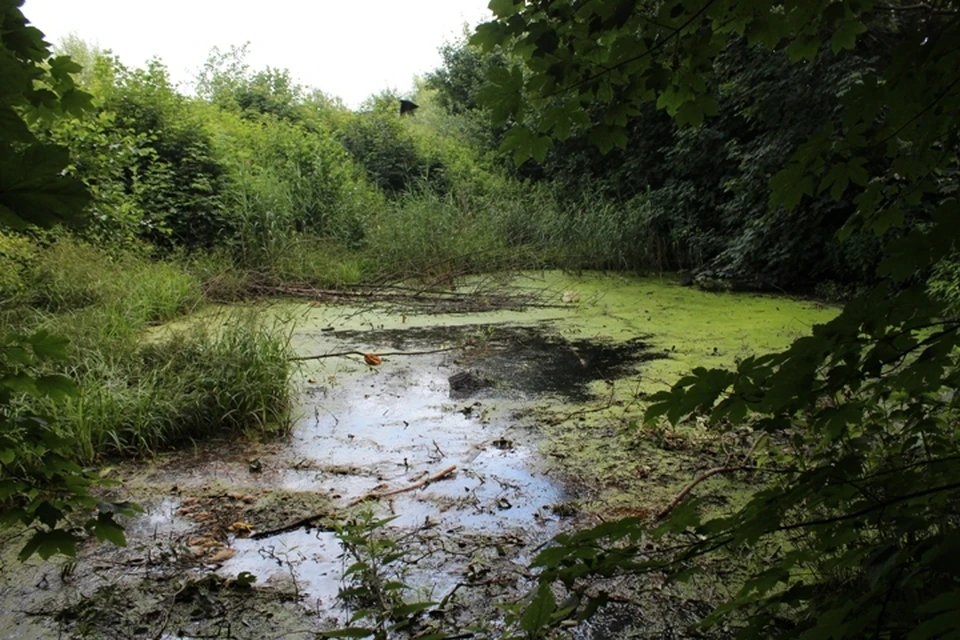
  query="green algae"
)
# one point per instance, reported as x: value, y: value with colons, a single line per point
x: 620, y: 466
x: 613, y: 465
x: 596, y: 443
x: 696, y: 328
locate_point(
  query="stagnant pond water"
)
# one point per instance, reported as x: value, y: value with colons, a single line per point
x: 466, y: 391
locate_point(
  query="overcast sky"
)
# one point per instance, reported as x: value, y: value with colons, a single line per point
x: 347, y: 48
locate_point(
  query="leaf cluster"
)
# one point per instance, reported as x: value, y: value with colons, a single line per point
x: 854, y: 528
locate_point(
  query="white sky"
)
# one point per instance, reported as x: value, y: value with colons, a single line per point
x: 346, y: 48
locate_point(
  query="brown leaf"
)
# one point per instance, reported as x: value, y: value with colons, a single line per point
x: 222, y: 556
x: 241, y: 528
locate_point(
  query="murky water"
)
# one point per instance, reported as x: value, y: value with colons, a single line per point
x: 370, y: 429
x: 473, y: 402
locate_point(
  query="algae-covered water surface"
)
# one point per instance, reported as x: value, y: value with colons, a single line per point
x: 482, y: 434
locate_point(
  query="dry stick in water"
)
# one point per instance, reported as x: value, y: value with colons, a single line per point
x: 309, y: 520
x: 410, y: 487
x: 385, y: 355
x: 293, y: 526
x: 709, y: 473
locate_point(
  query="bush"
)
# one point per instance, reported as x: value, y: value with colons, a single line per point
x: 17, y: 257
x: 180, y: 184
x: 284, y: 181
x: 388, y: 153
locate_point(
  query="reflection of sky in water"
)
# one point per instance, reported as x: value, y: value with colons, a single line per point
x: 367, y: 429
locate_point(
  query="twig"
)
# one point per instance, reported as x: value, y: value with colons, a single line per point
x: 293, y: 526
x: 375, y: 495
x: 709, y: 473
x: 339, y: 354
x: 169, y: 611
x: 663, y: 513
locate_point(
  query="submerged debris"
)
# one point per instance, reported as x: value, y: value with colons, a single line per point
x: 466, y: 383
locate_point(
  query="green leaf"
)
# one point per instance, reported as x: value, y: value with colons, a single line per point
x: 348, y: 633
x: 33, y: 189
x: 607, y: 137
x: 48, y: 345
x: 845, y: 37
x: 245, y: 579
x: 56, y: 387
x: 488, y: 35
x: 12, y: 127
x: 505, y: 8
x: 76, y: 102
x: 789, y: 186
x: 407, y: 610
x: 689, y: 113
x: 49, y: 543
x: 803, y: 48
x: 105, y: 529
x: 538, y: 613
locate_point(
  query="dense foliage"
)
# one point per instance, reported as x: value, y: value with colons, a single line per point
x: 854, y: 530
x: 695, y: 196
x: 793, y: 144
x: 41, y: 483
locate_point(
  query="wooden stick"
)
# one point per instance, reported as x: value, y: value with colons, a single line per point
x: 360, y: 353
x: 663, y: 513
x: 416, y: 485
x: 302, y: 522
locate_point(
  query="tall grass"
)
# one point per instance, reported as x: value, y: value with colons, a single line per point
x: 189, y: 385
x: 73, y: 275
x: 140, y: 392
x: 429, y: 234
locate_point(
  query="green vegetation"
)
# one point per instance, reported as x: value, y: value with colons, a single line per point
x: 808, y: 146
x: 852, y: 123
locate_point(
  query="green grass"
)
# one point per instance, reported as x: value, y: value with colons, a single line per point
x: 73, y: 275
x: 140, y: 392
x: 183, y: 387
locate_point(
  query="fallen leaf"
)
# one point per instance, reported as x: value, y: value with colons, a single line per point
x: 203, y: 541
x: 222, y: 556
x: 241, y: 528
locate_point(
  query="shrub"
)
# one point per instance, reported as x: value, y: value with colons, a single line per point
x: 17, y: 257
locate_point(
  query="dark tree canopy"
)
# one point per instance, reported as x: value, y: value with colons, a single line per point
x: 854, y: 530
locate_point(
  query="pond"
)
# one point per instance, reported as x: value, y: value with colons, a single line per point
x: 481, y: 433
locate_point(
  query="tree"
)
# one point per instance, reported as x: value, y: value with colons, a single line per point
x: 227, y: 81
x: 855, y: 525
x: 40, y: 485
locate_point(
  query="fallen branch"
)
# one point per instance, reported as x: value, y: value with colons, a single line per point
x: 293, y: 526
x: 663, y: 513
x: 339, y: 354
x: 376, y: 495
x: 470, y: 300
